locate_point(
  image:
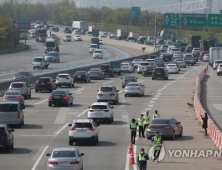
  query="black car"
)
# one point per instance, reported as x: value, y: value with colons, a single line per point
x: 67, y: 30
x: 127, y: 79
x: 148, y: 71
x: 81, y: 76
x: 6, y: 137
x: 159, y: 62
x: 107, y: 69
x: 59, y: 97
x: 159, y: 73
x: 45, y: 83
x: 166, y: 57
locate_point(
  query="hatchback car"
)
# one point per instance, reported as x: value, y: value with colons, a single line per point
x: 52, y: 56
x: 188, y: 49
x: 7, y: 138
x: 101, y: 111
x: 81, y: 76
x: 67, y: 38
x: 58, y: 97
x: 108, y: 94
x: 172, y: 68
x: 22, y: 75
x: 45, y: 84
x: 22, y: 87
x: 107, y: 69
x: 159, y: 73
x: 96, y: 73
x: 98, y: 53
x: 77, y: 38
x: 189, y: 59
x: 65, y: 159
x: 14, y: 96
x: 219, y: 69
x: 142, y: 66
x: 126, y: 67
x: 11, y: 113
x: 134, y: 88
x: 127, y: 79
x: 64, y: 79
x: 167, y: 126
x: 148, y: 71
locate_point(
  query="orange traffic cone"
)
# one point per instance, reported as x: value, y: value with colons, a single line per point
x: 131, y: 161
x: 130, y: 150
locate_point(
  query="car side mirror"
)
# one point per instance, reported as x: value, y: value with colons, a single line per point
x: 69, y: 125
x: 82, y: 154
x: 12, y: 130
x: 97, y: 90
x: 117, y: 90
x: 70, y: 93
x: 143, y: 85
x: 48, y: 154
x: 178, y: 122
x: 98, y: 125
x: 112, y: 107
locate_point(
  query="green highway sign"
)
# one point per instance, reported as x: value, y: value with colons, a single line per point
x: 193, y: 20
x: 171, y: 20
x: 135, y: 12
x: 214, y: 20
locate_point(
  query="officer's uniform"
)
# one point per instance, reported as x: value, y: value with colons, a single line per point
x: 133, y: 127
x: 146, y: 122
x: 142, y: 161
x: 140, y: 124
x: 157, y: 141
x: 156, y: 115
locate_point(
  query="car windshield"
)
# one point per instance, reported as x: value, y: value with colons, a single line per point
x: 37, y: 59
x: 179, y: 59
x: 218, y: 61
x: 63, y: 154
x: 82, y: 125
x: 129, y: 77
x: 158, y: 70
x: 97, y: 51
x: 124, y: 64
x: 8, y: 107
x: 68, y: 36
x: 171, y: 65
x: 50, y: 54
x: 98, y: 107
x: 137, y: 60
x: 22, y: 73
x: 105, y: 67
x: 80, y: 73
x: 93, y: 46
x: 49, y: 44
x: 132, y: 85
x: 62, y: 76
x: 12, y: 93
x: 189, y: 57
x: 43, y: 80
x: 160, y: 121
x: 174, y: 49
x: 17, y: 85
x: 106, y: 89
x: 2, y: 130
x: 55, y: 92
x: 144, y: 64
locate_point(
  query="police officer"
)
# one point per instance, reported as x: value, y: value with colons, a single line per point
x: 157, y: 140
x: 156, y: 115
x: 142, y: 159
x: 133, y: 127
x: 140, y: 124
x: 146, y: 121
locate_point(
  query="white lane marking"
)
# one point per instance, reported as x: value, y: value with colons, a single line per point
x: 135, y: 157
x: 107, y: 82
x: 82, y: 113
x: 148, y: 109
x: 60, y: 130
x: 40, y: 157
x: 141, y: 81
x: 61, y: 116
x: 159, y: 93
x: 157, y: 96
x: 150, y: 105
x: 41, y: 102
x: 154, y: 99
x: 78, y: 90
x: 152, y: 102
x: 127, y: 161
x: 120, y: 91
x: 38, y: 135
x: 3, y: 72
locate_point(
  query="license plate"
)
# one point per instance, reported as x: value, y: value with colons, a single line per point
x: 64, y: 164
x: 158, y: 73
x: 56, y: 97
x: 81, y: 131
x: 79, y: 76
x: 99, y: 114
x: 42, y: 83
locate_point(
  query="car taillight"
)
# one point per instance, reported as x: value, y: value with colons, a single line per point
x: 4, y: 135
x: 5, y: 97
x: 112, y: 94
x: 36, y: 82
x: 50, y: 97
x: 67, y: 78
x: 74, y: 162
x: 49, y: 82
x: 150, y: 127
x: 91, y: 110
x: 106, y: 110
x: 23, y: 88
x: 128, y: 67
x: 74, y: 77
x: 146, y: 70
x: 18, y: 97
x: 139, y: 65
x: 72, y: 128
x: 219, y: 68
x: 19, y: 114
x: 92, y: 129
x: 100, y: 94
x: 65, y: 97
x: 53, y: 163
x: 175, y: 68
x: 166, y: 127
x: 109, y: 69
x: 135, y: 80
x: 166, y: 68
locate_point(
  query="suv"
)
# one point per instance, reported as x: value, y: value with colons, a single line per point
x: 64, y: 79
x: 22, y: 87
x: 107, y: 69
x: 83, y: 130
x: 45, y: 83
x: 159, y: 73
x: 11, y: 113
x: 189, y: 59
x: 99, y: 111
x: 7, y: 137
x: 40, y: 62
x: 52, y: 56
x: 219, y: 69
x: 108, y: 93
x: 142, y: 67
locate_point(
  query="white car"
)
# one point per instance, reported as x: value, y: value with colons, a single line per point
x: 67, y: 38
x: 101, y: 111
x: 64, y: 79
x: 92, y: 48
x: 216, y: 63
x: 134, y: 88
x: 205, y: 57
x: 219, y: 69
x: 126, y: 67
x: 101, y: 42
x: 32, y: 35
x: 172, y: 68
x: 136, y: 62
x: 173, y: 50
x: 196, y: 51
x: 83, y: 130
x: 142, y: 67
x: 98, y: 53
x: 77, y: 38
x: 164, y: 47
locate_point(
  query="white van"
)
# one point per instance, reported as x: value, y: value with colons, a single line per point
x: 92, y: 48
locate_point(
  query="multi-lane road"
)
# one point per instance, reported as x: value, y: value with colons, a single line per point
x: 46, y: 127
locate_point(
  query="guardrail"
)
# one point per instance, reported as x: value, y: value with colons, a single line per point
x: 213, y: 131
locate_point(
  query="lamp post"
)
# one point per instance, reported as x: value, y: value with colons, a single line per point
x: 131, y: 4
x: 25, y: 19
x: 180, y: 18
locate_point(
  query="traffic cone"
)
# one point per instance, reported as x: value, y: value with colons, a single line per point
x: 131, y: 161
x: 130, y: 150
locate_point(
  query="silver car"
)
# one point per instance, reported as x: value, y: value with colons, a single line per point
x: 14, y: 96
x: 108, y: 94
x: 22, y: 87
x: 65, y: 159
x: 52, y: 56
x: 22, y: 75
x: 134, y: 88
x: 181, y: 62
x: 96, y: 73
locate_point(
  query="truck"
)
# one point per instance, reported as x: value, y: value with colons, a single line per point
x: 40, y: 35
x: 80, y: 25
x: 95, y: 41
x: 122, y: 34
x: 115, y: 65
x: 135, y: 35
x: 94, y: 30
x: 51, y: 45
x: 194, y: 41
x: 215, y: 53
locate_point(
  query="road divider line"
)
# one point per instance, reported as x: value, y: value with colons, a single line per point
x: 38, y: 135
x: 82, y: 113
x: 61, y: 116
x: 120, y: 91
x: 60, y: 130
x: 39, y: 158
x: 41, y: 102
x: 107, y: 82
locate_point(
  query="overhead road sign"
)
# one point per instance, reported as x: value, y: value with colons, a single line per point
x: 193, y: 20
x: 171, y: 20
x: 215, y: 20
x: 135, y: 12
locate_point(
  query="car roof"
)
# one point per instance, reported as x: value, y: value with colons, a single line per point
x: 129, y: 76
x: 38, y: 57
x: 133, y: 83
x: 64, y: 149
x: 11, y: 102
x: 107, y: 86
x: 164, y: 118
x: 63, y: 73
x: 82, y: 120
x: 18, y: 82
x: 98, y: 50
x: 100, y: 103
x: 2, y: 125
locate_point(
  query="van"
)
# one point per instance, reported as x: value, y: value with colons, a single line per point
x: 40, y: 62
x: 92, y: 48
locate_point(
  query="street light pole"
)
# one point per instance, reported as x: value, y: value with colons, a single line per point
x: 131, y: 4
x: 180, y: 18
x: 25, y: 19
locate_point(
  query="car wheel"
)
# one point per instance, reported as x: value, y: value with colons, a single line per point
x: 125, y: 95
x: 8, y: 149
x: 70, y: 142
x: 218, y: 74
x: 20, y: 125
x: 114, y: 102
x: 49, y: 104
x: 152, y: 78
x: 110, y: 120
x: 33, y: 67
x: 181, y: 133
x: 12, y: 146
x: 95, y: 141
x: 23, y: 106
x: 36, y: 91
x: 173, y: 136
x: 119, y: 73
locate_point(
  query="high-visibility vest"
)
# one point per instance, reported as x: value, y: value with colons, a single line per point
x: 156, y: 115
x: 142, y: 157
x: 140, y: 123
x: 157, y: 141
x: 146, y: 120
x: 133, y: 125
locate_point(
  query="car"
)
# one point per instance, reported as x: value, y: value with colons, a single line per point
x: 206, y: 57
x: 132, y: 41
x: 83, y: 130
x: 163, y: 47
x: 196, y: 51
x: 11, y: 113
x: 45, y: 84
x: 219, y: 69
x: 181, y: 62
x: 22, y: 87
x: 77, y: 38
x: 216, y: 63
x: 67, y: 30
x: 101, y: 111
x: 167, y: 126
x: 134, y: 88
x: 67, y: 38
x: 175, y: 62
x: 107, y: 69
x: 22, y: 75
x: 101, y: 42
x: 159, y: 73
x: 126, y: 67
x: 81, y: 76
x: 40, y: 62
x: 92, y: 48
x: 52, y: 56
x: 142, y: 66
x: 202, y: 53
x: 54, y: 29
x: 148, y: 70
x: 177, y: 54
x: 136, y: 62
x: 159, y: 62
x: 166, y: 57
x: 188, y: 49
x: 150, y: 61
x: 98, y: 53
x: 127, y: 79
x: 32, y: 35
x: 64, y: 79
x: 7, y: 137
x: 14, y: 96
x: 65, y: 159
x: 172, y: 51
x: 172, y: 68
x: 63, y: 97
x: 108, y: 94
x: 96, y: 73
x: 189, y: 59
